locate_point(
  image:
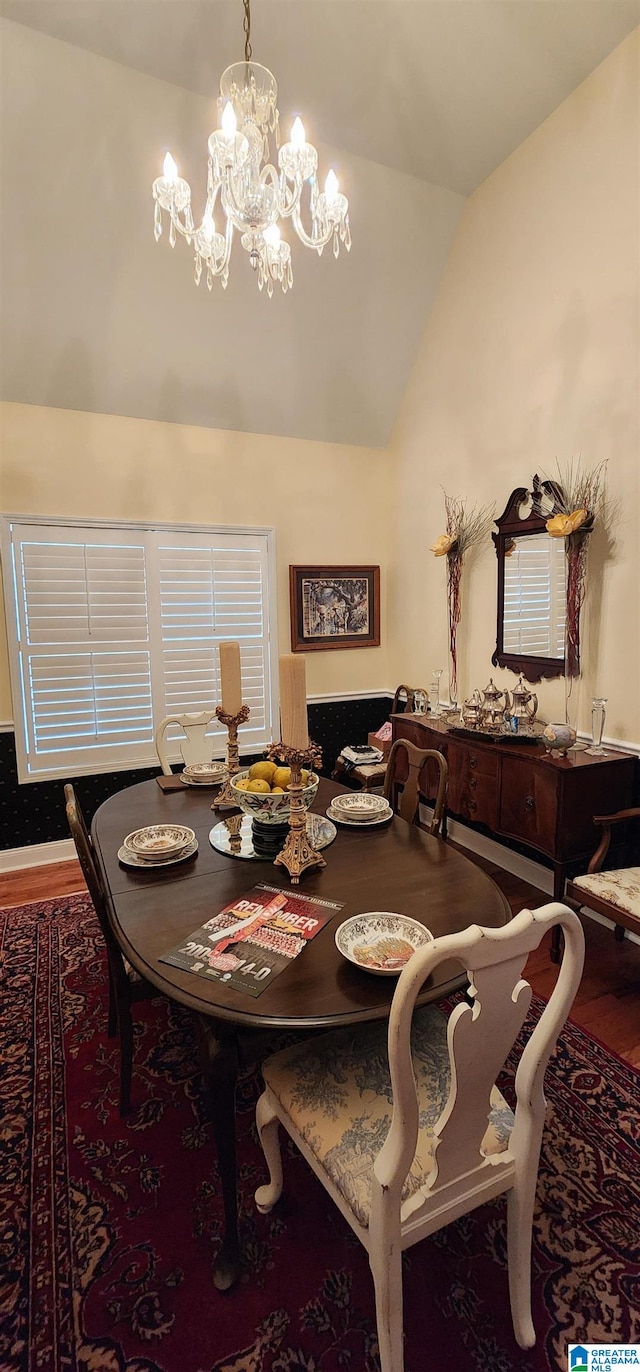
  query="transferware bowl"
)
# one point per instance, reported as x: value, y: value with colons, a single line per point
x: 268, y: 808
x: 159, y: 841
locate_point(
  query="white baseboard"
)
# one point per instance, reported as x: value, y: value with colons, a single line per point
x: 37, y: 855
x: 527, y: 869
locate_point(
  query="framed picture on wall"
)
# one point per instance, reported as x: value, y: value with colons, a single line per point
x: 334, y: 607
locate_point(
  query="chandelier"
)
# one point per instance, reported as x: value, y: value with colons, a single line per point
x: 252, y: 195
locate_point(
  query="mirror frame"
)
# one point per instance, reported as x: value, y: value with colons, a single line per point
x: 510, y: 526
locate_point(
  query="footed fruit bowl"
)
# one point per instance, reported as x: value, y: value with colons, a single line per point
x: 264, y: 804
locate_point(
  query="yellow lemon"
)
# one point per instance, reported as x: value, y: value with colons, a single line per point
x: 304, y: 776
x: 258, y: 784
x: 243, y: 784
x: 281, y: 777
x: 277, y: 790
x: 262, y: 771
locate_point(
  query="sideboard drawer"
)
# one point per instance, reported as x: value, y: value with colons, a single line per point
x: 416, y: 730
x: 473, y: 776
x: 528, y: 803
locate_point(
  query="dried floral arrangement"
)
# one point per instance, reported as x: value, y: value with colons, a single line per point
x: 465, y: 529
x: 579, y: 500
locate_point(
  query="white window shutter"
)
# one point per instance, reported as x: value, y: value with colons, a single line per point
x: 113, y: 628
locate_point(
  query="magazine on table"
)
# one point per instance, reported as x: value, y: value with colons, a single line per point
x: 253, y: 938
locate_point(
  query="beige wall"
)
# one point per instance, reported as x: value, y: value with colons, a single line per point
x: 97, y: 317
x: 323, y: 499
x: 531, y: 354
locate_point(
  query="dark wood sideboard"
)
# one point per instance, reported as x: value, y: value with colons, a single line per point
x: 520, y: 793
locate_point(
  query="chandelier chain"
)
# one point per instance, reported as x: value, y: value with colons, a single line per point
x: 246, y: 24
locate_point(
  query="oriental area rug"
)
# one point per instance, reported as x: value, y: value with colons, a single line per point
x: 109, y: 1226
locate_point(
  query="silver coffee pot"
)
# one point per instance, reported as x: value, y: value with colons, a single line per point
x: 524, y: 703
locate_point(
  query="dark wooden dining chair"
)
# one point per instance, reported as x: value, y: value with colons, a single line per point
x: 612, y: 893
x: 408, y: 768
x: 126, y: 987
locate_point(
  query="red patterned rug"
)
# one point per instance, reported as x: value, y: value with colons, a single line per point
x: 108, y: 1227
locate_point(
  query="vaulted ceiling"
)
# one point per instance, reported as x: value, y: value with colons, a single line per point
x: 418, y: 100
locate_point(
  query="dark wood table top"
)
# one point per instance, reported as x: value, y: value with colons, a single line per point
x: 397, y: 868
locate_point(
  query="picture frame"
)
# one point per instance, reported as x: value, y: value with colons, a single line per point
x: 334, y: 607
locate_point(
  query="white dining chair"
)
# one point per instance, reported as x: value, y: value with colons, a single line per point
x: 405, y: 1126
x: 195, y: 746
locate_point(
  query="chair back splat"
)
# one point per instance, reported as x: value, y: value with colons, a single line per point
x: 453, y: 1142
x: 411, y: 768
x: 195, y: 746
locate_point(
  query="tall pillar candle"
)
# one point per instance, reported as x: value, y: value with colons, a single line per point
x: 231, y: 678
x: 293, y: 703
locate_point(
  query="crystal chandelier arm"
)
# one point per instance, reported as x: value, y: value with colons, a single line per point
x: 317, y: 238
x: 288, y: 199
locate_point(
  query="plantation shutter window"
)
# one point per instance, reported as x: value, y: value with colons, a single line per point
x: 112, y: 628
x: 535, y: 597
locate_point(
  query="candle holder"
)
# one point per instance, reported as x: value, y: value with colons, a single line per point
x: 225, y: 800
x: 298, y: 853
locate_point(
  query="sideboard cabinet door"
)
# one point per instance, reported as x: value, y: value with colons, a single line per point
x: 529, y: 803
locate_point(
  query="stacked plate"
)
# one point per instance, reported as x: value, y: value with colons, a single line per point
x: 204, y: 774
x: 158, y: 845
x: 359, y: 808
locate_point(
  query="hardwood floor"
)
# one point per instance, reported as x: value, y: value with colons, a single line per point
x: 607, y: 1004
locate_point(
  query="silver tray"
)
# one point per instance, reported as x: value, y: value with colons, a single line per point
x: 498, y: 735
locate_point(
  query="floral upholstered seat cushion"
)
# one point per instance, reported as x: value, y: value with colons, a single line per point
x: 620, y: 888
x: 337, y: 1093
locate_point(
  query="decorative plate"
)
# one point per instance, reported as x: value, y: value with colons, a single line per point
x: 376, y: 819
x: 191, y: 777
x: 360, y: 803
x: 158, y: 841
x: 130, y: 859
x: 380, y: 942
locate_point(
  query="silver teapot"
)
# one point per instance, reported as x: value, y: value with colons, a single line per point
x: 523, y: 705
x: 472, y: 710
x: 493, y: 706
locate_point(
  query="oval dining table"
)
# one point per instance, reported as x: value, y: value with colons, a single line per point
x: 397, y: 867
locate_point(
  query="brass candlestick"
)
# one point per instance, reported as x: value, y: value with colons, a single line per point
x: 298, y: 852
x: 225, y: 799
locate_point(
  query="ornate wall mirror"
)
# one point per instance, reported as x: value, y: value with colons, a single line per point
x: 531, y: 586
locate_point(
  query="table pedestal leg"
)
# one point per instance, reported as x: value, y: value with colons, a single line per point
x: 219, y: 1057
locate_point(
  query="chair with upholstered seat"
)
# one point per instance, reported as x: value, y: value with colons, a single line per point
x: 370, y: 775
x: 405, y: 1126
x: 196, y: 745
x: 407, y: 782
x: 126, y: 987
x: 612, y: 893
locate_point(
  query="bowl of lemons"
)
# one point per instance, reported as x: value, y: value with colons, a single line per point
x: 261, y: 791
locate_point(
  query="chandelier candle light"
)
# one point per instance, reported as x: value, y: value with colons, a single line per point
x: 232, y: 713
x: 296, y: 750
x: 252, y: 194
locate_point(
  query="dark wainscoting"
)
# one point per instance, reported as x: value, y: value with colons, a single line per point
x: 35, y: 813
